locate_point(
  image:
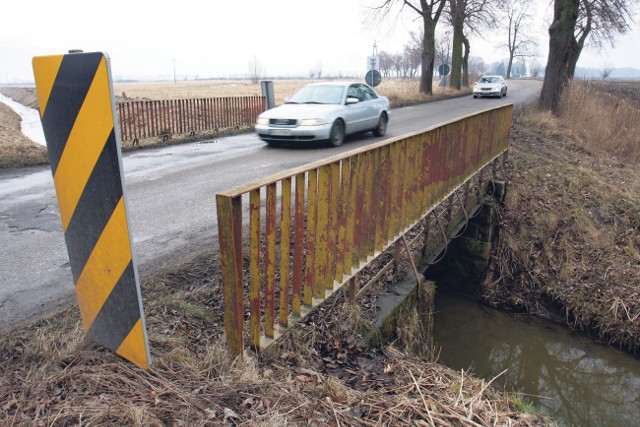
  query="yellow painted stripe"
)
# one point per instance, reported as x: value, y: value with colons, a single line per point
x: 86, y: 141
x: 131, y: 349
x: 107, y: 262
x: 45, y: 68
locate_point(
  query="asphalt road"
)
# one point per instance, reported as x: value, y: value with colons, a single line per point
x: 171, y: 200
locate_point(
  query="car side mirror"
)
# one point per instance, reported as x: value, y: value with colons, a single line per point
x: 351, y: 100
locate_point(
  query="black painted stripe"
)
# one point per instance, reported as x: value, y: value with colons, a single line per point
x: 99, y: 198
x: 69, y: 90
x: 119, y: 313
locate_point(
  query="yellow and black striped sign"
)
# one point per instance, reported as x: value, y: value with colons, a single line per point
x: 78, y: 119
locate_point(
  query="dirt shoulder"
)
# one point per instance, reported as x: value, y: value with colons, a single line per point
x: 16, y: 150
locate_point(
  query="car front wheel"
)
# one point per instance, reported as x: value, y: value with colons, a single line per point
x: 381, y: 129
x: 336, y: 137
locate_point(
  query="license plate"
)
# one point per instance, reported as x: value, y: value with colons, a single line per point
x: 281, y: 132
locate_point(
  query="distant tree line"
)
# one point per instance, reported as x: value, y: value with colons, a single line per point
x: 400, y: 65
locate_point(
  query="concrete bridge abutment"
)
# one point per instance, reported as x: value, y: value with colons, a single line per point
x: 405, y: 314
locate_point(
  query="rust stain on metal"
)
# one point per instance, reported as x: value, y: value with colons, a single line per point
x: 298, y: 245
x: 254, y: 267
x: 285, y: 238
x: 145, y: 119
x: 230, y: 235
x: 270, y: 262
x: 347, y: 208
x: 309, y: 270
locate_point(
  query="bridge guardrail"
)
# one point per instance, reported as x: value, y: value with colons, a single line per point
x: 146, y: 119
x: 335, y: 215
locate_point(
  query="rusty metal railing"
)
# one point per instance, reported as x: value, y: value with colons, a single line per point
x: 146, y: 119
x: 313, y: 228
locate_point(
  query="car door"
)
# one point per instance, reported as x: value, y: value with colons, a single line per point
x: 355, y: 114
x: 372, y: 107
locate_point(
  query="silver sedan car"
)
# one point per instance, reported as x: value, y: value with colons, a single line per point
x: 490, y: 86
x: 325, y: 111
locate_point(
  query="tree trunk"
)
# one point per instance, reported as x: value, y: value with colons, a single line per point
x: 428, y: 56
x: 564, y: 51
x: 465, y: 61
x: 456, y: 52
x: 510, y: 64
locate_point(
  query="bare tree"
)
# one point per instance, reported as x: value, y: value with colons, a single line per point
x: 517, y: 19
x: 535, y: 69
x: 413, y: 53
x: 472, y: 14
x: 429, y: 11
x: 395, y: 61
x: 605, y: 71
x: 573, y: 22
x: 476, y: 65
x: 386, y: 63
x: 443, y: 48
x: 256, y: 70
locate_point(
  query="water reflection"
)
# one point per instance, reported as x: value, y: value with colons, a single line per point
x: 566, y: 375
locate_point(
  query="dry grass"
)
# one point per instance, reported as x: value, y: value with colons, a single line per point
x: 404, y: 92
x: 52, y: 375
x: 401, y: 92
x: 609, y: 124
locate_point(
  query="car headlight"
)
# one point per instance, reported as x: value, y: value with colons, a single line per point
x: 311, y: 122
x: 262, y: 121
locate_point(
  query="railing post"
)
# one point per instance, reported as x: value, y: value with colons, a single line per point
x: 230, y: 235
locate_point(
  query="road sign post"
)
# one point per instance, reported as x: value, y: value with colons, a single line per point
x: 444, y: 69
x: 373, y: 78
x: 77, y: 111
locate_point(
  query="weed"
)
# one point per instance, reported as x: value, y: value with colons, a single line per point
x: 521, y: 404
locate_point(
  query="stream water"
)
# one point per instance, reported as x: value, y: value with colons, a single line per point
x: 565, y: 374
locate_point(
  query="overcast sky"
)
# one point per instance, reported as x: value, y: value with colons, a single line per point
x: 145, y: 39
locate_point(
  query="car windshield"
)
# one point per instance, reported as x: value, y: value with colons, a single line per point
x: 489, y: 80
x: 318, y: 94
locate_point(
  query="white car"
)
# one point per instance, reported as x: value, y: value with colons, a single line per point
x: 325, y: 111
x: 490, y: 86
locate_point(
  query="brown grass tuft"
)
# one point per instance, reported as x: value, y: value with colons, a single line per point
x: 609, y: 124
x: 404, y: 92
